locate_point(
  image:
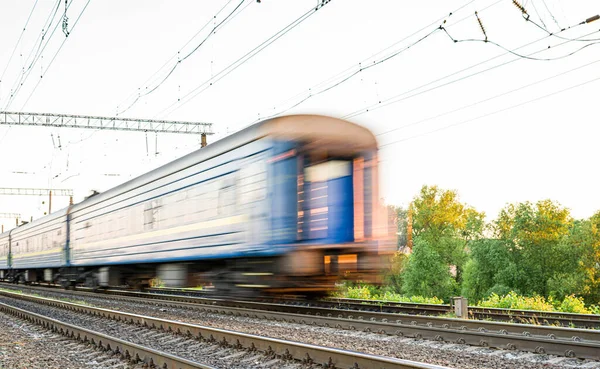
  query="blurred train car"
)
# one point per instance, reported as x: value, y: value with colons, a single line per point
x: 286, y: 205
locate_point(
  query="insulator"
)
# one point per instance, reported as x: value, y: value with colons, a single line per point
x: 521, y: 8
x: 591, y: 19
x: 481, y: 25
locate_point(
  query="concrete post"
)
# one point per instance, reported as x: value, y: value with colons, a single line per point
x: 461, y: 307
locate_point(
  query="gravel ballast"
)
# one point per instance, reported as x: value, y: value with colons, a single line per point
x: 27, y: 346
x: 439, y: 353
x: 208, y: 353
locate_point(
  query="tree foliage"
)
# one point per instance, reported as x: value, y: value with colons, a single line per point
x: 534, y: 235
x: 427, y: 274
x: 533, y: 249
x: 483, y: 270
x: 439, y: 218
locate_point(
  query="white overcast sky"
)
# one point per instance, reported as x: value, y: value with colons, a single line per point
x: 445, y: 132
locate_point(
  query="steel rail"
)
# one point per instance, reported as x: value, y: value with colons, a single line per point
x: 572, y: 320
x: 499, y: 314
x: 330, y: 357
x: 564, y: 318
x: 424, y: 320
x: 582, y: 343
x: 130, y: 350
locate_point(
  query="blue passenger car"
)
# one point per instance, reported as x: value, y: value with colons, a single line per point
x: 280, y: 206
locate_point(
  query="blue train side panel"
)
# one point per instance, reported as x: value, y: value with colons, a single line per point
x: 283, y: 190
x: 340, y: 202
x: 208, y: 210
x: 40, y: 245
x: 4, y: 257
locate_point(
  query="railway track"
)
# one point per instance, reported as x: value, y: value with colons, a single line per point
x: 476, y: 312
x: 580, y: 343
x: 572, y: 320
x: 277, y: 353
x: 561, y: 319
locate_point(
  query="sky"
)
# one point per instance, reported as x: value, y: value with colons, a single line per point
x: 496, y: 126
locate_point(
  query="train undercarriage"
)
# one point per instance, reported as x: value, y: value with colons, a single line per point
x: 310, y: 272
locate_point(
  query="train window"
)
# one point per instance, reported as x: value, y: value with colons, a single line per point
x: 151, y: 214
x: 226, y: 196
x: 252, y: 183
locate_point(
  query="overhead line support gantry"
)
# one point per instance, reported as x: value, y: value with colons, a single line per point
x: 106, y: 123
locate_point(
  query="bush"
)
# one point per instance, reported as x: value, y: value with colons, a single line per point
x: 514, y: 301
x: 370, y: 292
x: 358, y: 292
x: 572, y: 304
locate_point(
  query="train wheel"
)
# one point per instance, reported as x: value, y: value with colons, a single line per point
x: 92, y: 282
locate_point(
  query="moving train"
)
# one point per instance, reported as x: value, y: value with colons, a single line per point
x: 288, y: 205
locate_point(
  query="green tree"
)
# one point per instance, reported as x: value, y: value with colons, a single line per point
x: 394, y: 276
x: 427, y: 274
x: 401, y: 226
x: 483, y: 275
x: 534, y: 236
x: 439, y: 218
x: 582, y: 270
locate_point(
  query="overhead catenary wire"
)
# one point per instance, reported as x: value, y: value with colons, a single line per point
x: 489, y: 98
x: 241, y: 61
x: 20, y: 82
x: 148, y: 90
x: 523, y: 56
x: 12, y: 54
x: 415, y: 91
x: 552, y: 15
x: 367, y: 63
x: 55, y: 54
x: 150, y: 79
x: 491, y: 113
x: 362, y: 66
x: 542, y: 27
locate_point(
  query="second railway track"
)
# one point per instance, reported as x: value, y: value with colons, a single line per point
x: 567, y: 342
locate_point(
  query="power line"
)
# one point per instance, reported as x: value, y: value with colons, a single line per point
x: 527, y: 18
x: 492, y: 113
x: 38, y: 53
x: 402, y: 96
x: 523, y: 56
x: 150, y: 79
x: 552, y: 15
x: 18, y: 41
x: 55, y: 55
x: 232, y: 14
x: 242, y: 60
x: 349, y: 73
x: 489, y: 98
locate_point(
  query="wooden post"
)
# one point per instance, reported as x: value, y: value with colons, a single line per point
x: 203, y: 140
x: 49, y: 202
